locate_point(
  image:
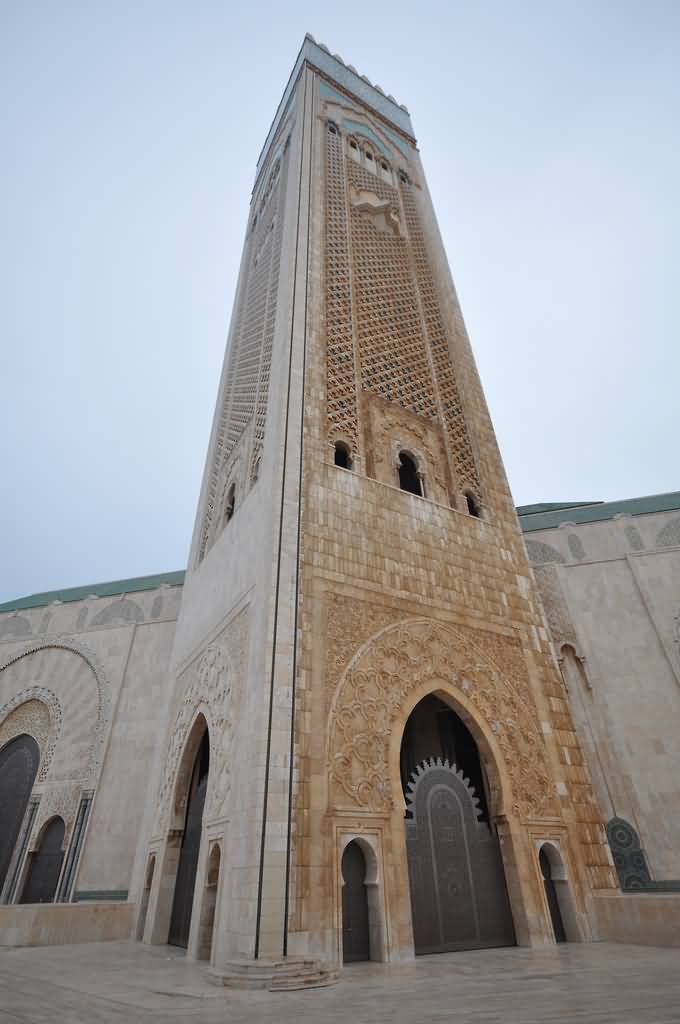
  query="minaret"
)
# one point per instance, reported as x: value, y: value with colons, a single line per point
x: 361, y: 660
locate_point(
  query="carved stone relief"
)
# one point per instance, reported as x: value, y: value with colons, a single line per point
x: 32, y: 717
x: 394, y: 429
x: 79, y: 699
x: 211, y: 681
x: 375, y: 689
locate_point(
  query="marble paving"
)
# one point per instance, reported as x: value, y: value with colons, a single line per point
x: 128, y: 982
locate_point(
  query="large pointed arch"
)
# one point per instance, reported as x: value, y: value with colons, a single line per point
x: 388, y: 676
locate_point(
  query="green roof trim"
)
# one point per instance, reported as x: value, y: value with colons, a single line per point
x: 550, y: 517
x: 552, y: 506
x: 171, y: 579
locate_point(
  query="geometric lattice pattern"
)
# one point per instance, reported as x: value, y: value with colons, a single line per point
x: 341, y: 388
x: 392, y: 349
x: 384, y: 328
x: 460, y: 447
x: 246, y: 388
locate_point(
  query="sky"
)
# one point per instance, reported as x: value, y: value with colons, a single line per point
x: 130, y: 133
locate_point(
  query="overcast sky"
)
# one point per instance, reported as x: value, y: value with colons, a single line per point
x: 130, y: 132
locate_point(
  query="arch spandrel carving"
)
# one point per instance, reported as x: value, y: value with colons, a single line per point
x: 211, y: 689
x: 383, y: 681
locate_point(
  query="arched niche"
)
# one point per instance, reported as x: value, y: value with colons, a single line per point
x: 45, y: 863
x: 558, y: 893
x: 368, y: 844
x: 206, y: 925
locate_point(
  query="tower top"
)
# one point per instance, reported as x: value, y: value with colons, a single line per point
x: 333, y: 67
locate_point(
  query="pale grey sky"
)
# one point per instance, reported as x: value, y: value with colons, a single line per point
x: 130, y: 131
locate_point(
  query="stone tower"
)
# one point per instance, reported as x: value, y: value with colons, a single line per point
x: 360, y: 658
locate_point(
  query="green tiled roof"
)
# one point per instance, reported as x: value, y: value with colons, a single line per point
x: 546, y: 517
x: 172, y: 579
x: 552, y: 506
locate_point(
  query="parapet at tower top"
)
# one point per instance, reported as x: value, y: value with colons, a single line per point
x: 333, y: 67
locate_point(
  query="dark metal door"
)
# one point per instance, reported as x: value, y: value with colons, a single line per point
x: 45, y: 865
x: 458, y: 894
x: 551, y: 895
x: 355, y: 940
x: 180, y: 921
x: 19, y: 762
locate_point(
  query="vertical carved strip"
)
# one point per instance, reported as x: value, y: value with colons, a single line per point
x: 341, y: 398
x: 458, y: 437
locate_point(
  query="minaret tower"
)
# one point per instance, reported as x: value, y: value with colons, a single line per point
x: 370, y: 752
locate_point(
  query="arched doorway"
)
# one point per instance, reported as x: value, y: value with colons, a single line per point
x: 551, y: 896
x: 180, y: 918
x: 459, y: 898
x: 19, y: 762
x: 355, y: 930
x: 45, y: 864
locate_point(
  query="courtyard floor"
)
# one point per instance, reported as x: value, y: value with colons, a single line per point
x: 125, y: 981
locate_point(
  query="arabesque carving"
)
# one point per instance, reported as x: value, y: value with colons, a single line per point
x: 370, y: 704
x: 213, y: 685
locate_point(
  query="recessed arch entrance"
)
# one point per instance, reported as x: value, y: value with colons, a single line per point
x: 558, y: 893
x: 356, y: 943
x: 459, y: 898
x: 19, y: 761
x: 194, y: 800
x: 45, y: 864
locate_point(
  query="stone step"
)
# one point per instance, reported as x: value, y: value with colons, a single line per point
x: 286, y: 974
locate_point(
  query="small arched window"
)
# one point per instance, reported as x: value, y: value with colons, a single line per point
x: 354, y: 150
x: 342, y: 456
x: 404, y: 178
x: 332, y: 128
x: 229, y: 503
x: 409, y: 478
x: 369, y: 157
x: 472, y: 505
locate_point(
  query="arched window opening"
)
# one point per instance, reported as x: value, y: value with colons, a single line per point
x: 404, y: 178
x: 19, y: 761
x: 229, y: 503
x: 472, y: 505
x: 332, y: 128
x: 255, y: 474
x: 369, y: 157
x: 355, y: 928
x: 342, y: 456
x: 45, y: 864
x: 354, y: 150
x: 459, y: 898
x: 409, y: 480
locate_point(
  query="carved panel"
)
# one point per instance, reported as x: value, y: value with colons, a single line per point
x: 243, y: 400
x: 394, y: 429
x: 212, y: 681
x: 554, y: 603
x: 80, y: 701
x: 454, y: 417
x: 373, y: 693
x: 341, y: 394
x: 31, y: 717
